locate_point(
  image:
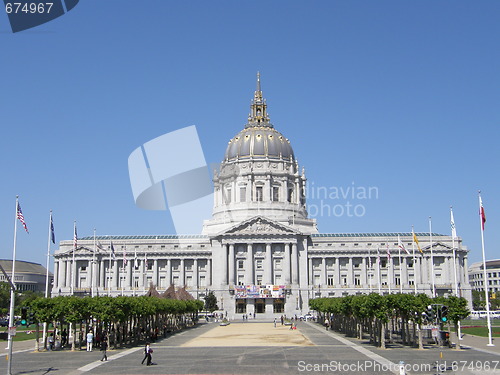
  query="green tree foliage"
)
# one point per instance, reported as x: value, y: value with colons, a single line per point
x: 373, y: 313
x: 211, y: 302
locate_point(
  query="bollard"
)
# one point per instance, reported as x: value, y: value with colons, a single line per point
x: 402, y: 368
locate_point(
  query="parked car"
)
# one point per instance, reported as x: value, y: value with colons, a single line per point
x: 4, y: 323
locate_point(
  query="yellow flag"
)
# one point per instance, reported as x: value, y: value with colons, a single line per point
x: 415, y: 239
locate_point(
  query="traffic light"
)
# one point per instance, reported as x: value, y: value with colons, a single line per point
x: 431, y: 314
x: 24, y: 315
x: 444, y: 314
x: 31, y: 318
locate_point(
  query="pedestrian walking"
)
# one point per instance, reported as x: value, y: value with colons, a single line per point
x: 51, y: 342
x: 327, y: 324
x: 90, y: 340
x: 64, y: 338
x: 147, y: 355
x: 104, y: 348
x: 274, y: 322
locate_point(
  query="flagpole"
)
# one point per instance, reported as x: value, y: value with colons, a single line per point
x: 400, y: 272
x: 390, y: 270
x: 453, y: 235
x: 432, y: 260
x: 414, y: 260
x: 378, y: 273
x: 370, y: 270
x: 44, y: 334
x: 109, y: 268
x: 482, y: 219
x: 93, y: 269
x: 73, y: 262
x: 12, y: 292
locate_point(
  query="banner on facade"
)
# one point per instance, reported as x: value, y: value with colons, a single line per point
x: 259, y: 291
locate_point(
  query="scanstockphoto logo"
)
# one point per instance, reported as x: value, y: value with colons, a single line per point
x: 170, y: 172
x: 339, y: 201
x: 26, y: 14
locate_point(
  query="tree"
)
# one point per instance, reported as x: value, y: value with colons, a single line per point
x: 211, y: 302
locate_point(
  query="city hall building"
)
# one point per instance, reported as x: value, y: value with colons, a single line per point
x: 260, y: 252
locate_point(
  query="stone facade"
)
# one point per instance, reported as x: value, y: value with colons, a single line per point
x: 260, y: 252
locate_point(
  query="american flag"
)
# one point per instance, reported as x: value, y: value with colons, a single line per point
x: 124, y: 256
x: 388, y: 253
x: 20, y: 216
x: 75, y: 239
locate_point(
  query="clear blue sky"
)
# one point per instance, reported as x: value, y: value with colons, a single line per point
x: 398, y: 95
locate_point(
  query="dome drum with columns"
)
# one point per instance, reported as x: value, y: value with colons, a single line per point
x: 259, y: 176
x: 260, y: 253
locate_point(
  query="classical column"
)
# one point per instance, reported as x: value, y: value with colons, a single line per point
x: 62, y: 274
x: 128, y: 277
x: 169, y: 273
x: 142, y: 274
x: 403, y: 270
x: 116, y: 275
x: 390, y: 273
x: 102, y: 274
x: 250, y: 266
x: 69, y: 271
x: 231, y: 264
x: 337, y: 280
x: 195, y: 273
x: 350, y: 272
x: 56, y: 275
x: 268, y: 268
x: 295, y: 264
x: 286, y: 265
x: 310, y: 271
x: 323, y: 272
x: 364, y: 277
x: 209, y: 271
x: 155, y: 272
x: 182, y: 278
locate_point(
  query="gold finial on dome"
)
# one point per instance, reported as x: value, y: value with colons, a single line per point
x: 258, y: 109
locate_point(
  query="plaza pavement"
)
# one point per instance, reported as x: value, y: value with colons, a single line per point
x: 257, y: 348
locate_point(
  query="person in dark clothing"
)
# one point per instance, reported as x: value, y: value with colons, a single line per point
x: 104, y: 347
x: 147, y: 355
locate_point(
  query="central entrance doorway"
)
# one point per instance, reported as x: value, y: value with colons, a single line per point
x: 260, y: 306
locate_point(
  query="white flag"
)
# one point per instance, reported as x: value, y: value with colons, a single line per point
x: 452, y: 222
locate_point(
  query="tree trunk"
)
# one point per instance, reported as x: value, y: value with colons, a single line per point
x: 420, y: 340
x: 382, y: 334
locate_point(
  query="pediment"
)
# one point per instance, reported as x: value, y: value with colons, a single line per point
x: 437, y: 246
x: 259, y: 225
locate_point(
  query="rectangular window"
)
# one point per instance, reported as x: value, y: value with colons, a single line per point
x: 259, y: 195
x: 227, y: 198
x: 357, y: 281
x: 202, y: 281
x: 258, y: 264
x: 276, y: 193
x: 329, y: 280
x: 189, y: 280
x: 277, y: 264
x: 241, y: 279
x: 175, y: 280
x: 290, y: 195
x: 243, y: 194
x: 277, y: 280
x: 259, y: 279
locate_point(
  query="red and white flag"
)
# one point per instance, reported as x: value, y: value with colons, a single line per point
x: 20, y: 216
x: 481, y: 212
x: 124, y: 256
x: 388, y: 253
x: 402, y: 246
